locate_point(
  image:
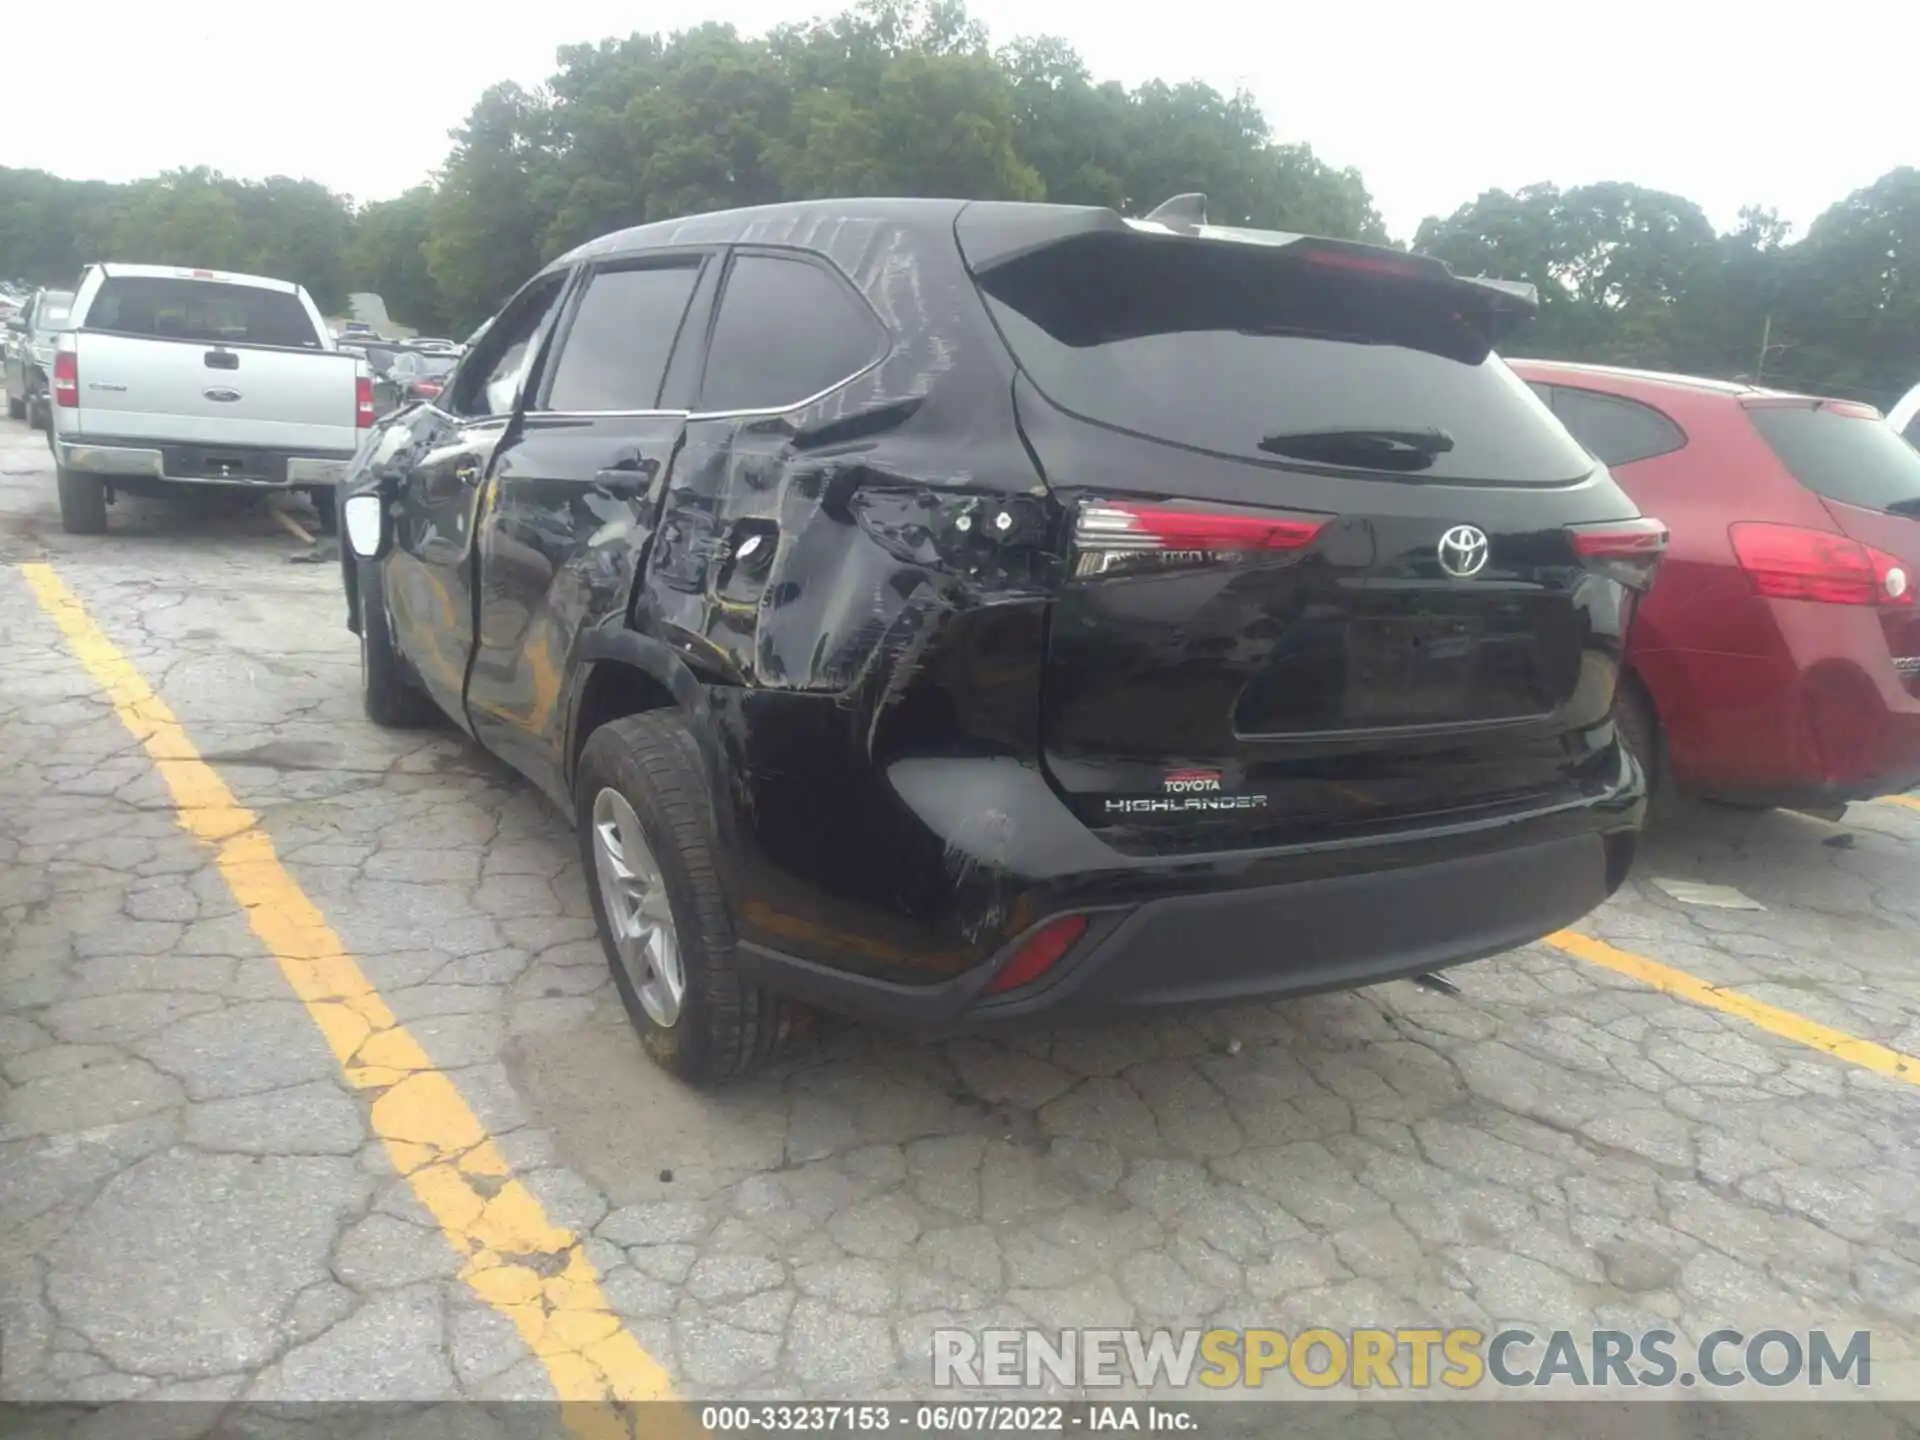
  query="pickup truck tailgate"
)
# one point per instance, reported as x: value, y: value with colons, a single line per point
x: 139, y: 389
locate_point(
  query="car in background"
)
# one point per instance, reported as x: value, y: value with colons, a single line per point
x: 409, y: 376
x: 1904, y: 418
x: 172, y: 377
x: 1777, y: 659
x: 1218, y: 618
x: 29, y: 353
x: 432, y: 345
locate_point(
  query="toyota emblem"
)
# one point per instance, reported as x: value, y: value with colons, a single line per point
x: 1463, y: 551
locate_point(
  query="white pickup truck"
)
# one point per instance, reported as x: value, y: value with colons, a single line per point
x: 173, y: 377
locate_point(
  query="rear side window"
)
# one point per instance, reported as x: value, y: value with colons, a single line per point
x: 1843, y: 456
x: 788, y: 330
x: 1224, y: 346
x: 1618, y: 431
x: 210, y: 311
x: 615, y: 351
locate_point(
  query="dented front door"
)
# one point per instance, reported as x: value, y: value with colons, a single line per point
x: 565, y: 523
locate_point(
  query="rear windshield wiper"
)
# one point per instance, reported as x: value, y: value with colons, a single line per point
x: 1382, y: 447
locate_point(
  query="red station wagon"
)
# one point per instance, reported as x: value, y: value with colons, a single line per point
x: 1776, y: 660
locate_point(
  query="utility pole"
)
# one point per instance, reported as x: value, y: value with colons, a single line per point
x: 1766, y: 334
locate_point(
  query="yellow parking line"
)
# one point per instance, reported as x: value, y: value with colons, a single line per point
x: 1912, y: 802
x: 528, y: 1268
x: 1811, y: 1033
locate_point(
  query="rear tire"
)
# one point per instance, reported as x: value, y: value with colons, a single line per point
x: 1639, y: 727
x: 16, y: 409
x: 326, y: 506
x: 83, y: 502
x: 647, y: 769
x: 391, y: 696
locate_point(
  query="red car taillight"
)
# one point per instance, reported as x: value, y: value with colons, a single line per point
x: 1116, y: 536
x: 363, y: 402
x: 426, y: 389
x: 1629, y: 551
x: 1788, y: 562
x: 66, y: 379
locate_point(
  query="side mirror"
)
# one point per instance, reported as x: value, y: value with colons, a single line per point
x: 17, y: 326
x: 364, y: 518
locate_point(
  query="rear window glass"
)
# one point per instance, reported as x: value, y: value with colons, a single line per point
x: 1218, y: 346
x: 1849, y: 458
x: 211, y: 311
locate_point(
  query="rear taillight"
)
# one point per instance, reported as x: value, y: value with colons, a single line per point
x: 1629, y: 551
x: 1787, y: 562
x: 1042, y: 951
x: 66, y: 379
x: 363, y: 402
x: 426, y: 389
x: 1129, y: 536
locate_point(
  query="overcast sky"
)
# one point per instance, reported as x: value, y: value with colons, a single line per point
x: 1726, y: 103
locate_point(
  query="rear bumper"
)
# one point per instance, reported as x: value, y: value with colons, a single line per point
x: 239, y: 466
x: 1269, y: 942
x: 1824, y: 717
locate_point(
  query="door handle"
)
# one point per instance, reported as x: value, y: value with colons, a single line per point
x: 467, y: 474
x: 628, y: 472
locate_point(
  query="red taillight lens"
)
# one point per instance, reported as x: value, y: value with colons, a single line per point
x: 1787, y: 562
x: 1629, y: 551
x: 363, y: 402
x: 426, y: 389
x: 1117, y: 536
x: 66, y: 379
x: 1043, y: 950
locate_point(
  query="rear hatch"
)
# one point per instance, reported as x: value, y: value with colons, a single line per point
x: 1321, y: 578
x: 1868, y: 480
x: 210, y: 362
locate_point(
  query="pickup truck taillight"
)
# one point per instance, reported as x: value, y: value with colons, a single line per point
x: 363, y: 402
x: 66, y: 380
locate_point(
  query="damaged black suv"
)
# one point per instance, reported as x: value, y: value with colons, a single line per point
x: 949, y: 612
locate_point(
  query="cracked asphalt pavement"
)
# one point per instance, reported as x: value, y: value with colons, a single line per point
x: 195, y: 1203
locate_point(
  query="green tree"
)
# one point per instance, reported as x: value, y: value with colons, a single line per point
x: 388, y: 256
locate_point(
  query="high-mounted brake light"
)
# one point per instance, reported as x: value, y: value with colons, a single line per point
x: 1788, y: 562
x: 66, y: 379
x: 1132, y: 535
x: 363, y: 402
x: 1369, y: 264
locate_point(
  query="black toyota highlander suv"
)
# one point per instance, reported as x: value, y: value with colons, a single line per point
x: 948, y: 612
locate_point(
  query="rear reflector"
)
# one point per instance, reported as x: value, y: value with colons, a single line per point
x: 1043, y: 950
x: 1629, y: 551
x: 1117, y: 535
x: 1787, y: 562
x: 66, y: 380
x: 363, y: 402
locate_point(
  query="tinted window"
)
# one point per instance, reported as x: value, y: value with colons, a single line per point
x: 1616, y: 430
x: 1545, y: 392
x: 1844, y: 456
x: 1220, y: 346
x: 622, y: 332
x: 788, y: 330
x: 209, y: 311
x: 490, y: 375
